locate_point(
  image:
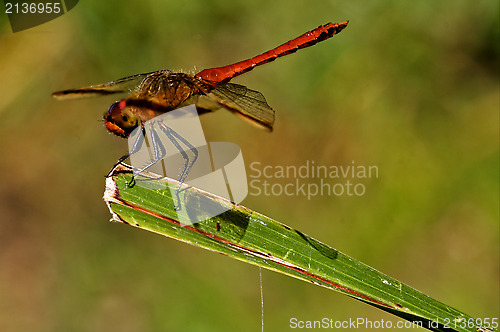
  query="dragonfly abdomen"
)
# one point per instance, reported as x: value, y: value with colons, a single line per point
x: 226, y: 73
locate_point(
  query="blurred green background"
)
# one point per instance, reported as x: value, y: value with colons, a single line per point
x: 411, y: 87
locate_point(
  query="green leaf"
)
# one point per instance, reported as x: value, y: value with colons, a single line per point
x: 251, y: 237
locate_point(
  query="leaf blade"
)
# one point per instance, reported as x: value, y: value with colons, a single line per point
x: 251, y: 237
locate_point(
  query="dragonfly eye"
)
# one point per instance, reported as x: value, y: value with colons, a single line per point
x: 120, y: 119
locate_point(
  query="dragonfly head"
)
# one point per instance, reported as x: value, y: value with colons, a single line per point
x: 120, y: 120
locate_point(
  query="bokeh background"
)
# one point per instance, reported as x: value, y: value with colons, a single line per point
x: 412, y: 88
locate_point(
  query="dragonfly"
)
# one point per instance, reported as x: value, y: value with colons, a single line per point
x: 152, y: 94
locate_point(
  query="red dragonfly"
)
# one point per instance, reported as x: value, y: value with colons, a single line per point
x: 153, y: 94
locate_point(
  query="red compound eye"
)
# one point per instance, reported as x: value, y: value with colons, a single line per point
x: 120, y: 120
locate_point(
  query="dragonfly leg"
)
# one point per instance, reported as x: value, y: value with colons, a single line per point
x: 136, y: 147
x: 159, y: 152
x: 174, y: 136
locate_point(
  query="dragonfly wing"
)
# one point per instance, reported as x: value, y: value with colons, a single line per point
x: 126, y: 84
x: 249, y: 104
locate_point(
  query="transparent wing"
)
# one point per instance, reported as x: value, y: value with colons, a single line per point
x: 249, y: 104
x: 125, y: 84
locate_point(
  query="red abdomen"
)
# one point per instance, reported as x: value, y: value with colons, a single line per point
x: 226, y: 73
